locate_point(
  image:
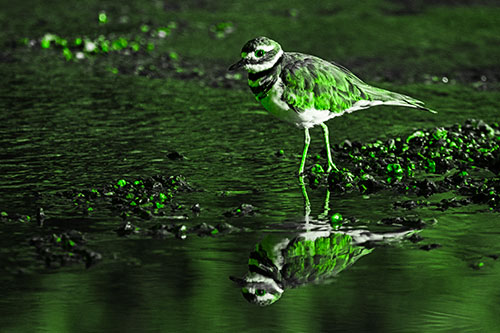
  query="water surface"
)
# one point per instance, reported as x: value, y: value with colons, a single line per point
x: 67, y: 125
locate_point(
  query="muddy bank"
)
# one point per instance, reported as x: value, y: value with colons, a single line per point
x: 463, y: 159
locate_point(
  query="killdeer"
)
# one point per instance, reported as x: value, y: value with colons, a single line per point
x: 307, y: 91
x: 312, y: 257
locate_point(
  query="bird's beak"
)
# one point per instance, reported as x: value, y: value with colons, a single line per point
x: 237, y: 65
x: 240, y: 282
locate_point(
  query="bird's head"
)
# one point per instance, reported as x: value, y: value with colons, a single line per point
x: 258, y: 289
x: 258, y: 54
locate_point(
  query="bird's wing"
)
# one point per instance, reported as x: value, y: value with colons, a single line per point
x: 315, y: 260
x: 311, y: 82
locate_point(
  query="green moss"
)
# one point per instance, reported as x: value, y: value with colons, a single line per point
x: 317, y: 169
x: 395, y: 170
x: 103, y: 18
x: 67, y: 54
x: 336, y: 220
x: 173, y: 55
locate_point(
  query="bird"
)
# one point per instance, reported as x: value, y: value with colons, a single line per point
x: 280, y: 262
x: 306, y: 90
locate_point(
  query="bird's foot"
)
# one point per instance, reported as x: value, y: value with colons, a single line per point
x: 348, y: 176
x: 343, y: 175
x: 331, y: 167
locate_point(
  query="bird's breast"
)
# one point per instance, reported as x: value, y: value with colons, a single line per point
x: 275, y: 105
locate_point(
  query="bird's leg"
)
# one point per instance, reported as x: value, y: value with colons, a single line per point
x: 326, y: 206
x: 307, y: 203
x: 307, y: 141
x: 331, y: 165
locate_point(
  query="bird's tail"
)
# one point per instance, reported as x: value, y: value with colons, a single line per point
x: 386, y: 97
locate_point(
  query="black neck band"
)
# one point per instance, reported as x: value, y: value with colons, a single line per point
x: 255, y: 76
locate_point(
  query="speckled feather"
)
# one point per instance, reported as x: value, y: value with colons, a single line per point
x: 307, y: 261
x: 304, y: 261
x: 311, y: 82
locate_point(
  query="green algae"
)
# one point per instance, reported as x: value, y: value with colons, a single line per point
x: 143, y: 198
x: 458, y: 158
x: 57, y: 250
x: 462, y: 148
x: 337, y: 220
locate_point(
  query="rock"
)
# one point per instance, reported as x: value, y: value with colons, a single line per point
x: 241, y: 210
x: 40, y: 217
x: 429, y: 247
x: 126, y: 229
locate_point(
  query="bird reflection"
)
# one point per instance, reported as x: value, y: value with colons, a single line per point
x: 313, y: 253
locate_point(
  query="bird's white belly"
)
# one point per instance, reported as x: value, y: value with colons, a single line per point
x: 275, y: 105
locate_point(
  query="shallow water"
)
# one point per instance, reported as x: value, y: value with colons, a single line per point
x: 117, y: 126
x: 68, y: 126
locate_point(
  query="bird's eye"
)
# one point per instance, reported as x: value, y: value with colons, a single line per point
x: 259, y: 53
x: 260, y: 292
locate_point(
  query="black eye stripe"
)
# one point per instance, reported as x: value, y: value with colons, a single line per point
x: 267, y: 56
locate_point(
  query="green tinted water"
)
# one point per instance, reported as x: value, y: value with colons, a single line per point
x: 70, y: 125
